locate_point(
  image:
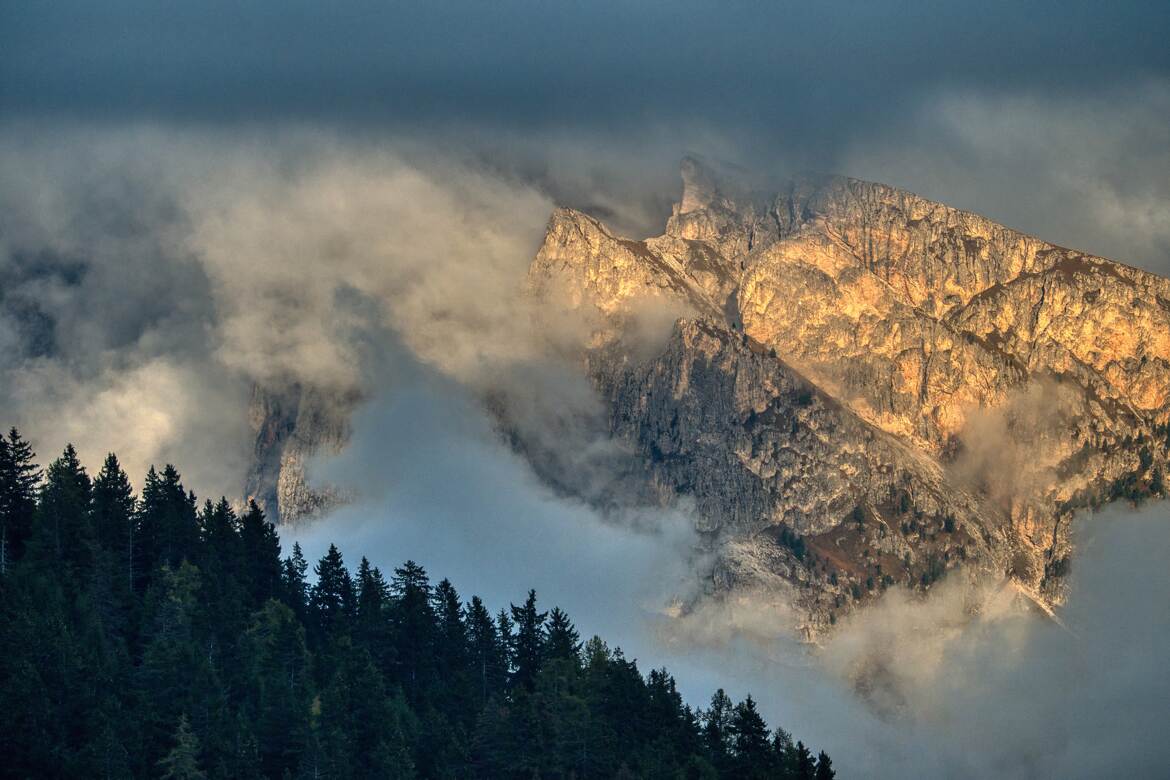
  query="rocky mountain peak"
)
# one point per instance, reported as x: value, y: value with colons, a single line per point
x: 875, y: 387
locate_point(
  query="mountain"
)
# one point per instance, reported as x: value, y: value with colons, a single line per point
x: 861, y: 387
x: 868, y: 387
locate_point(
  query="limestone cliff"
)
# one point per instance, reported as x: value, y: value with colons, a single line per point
x: 871, y: 387
x: 292, y: 425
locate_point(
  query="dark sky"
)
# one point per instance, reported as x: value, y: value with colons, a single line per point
x: 812, y: 73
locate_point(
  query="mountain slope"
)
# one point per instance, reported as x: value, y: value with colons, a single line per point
x: 871, y: 387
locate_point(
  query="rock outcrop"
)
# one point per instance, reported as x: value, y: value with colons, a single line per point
x: 871, y: 388
x: 292, y: 425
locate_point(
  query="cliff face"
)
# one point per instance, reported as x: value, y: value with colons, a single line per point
x: 870, y: 387
x: 292, y: 425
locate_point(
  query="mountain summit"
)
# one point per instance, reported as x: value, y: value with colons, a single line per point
x: 868, y: 387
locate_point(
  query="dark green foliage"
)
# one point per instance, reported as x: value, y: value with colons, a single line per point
x: 487, y: 655
x: 752, y: 752
x: 413, y: 620
x: 332, y: 600
x: 260, y: 549
x: 562, y: 640
x: 168, y: 530
x: 19, y: 477
x: 182, y: 762
x: 63, y: 535
x: 790, y: 539
x: 527, y: 643
x: 148, y: 639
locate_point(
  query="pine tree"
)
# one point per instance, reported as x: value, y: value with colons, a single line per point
x: 364, y: 731
x: 505, y: 635
x: 332, y: 598
x: 452, y: 631
x: 293, y: 586
x: 753, y: 756
x: 19, y: 477
x: 167, y: 524
x: 784, y: 752
x: 113, y: 516
x: 562, y: 640
x: 453, y: 693
x: 486, y: 655
x: 182, y: 762
x: 528, y: 642
x: 373, y: 594
x: 805, y: 765
x: 220, y: 536
x: 279, y: 687
x: 260, y: 548
x: 64, y: 534
x: 372, y: 628
x: 824, y: 767
x: 414, y: 628
x: 677, y: 722
x: 175, y: 676
x: 717, y: 729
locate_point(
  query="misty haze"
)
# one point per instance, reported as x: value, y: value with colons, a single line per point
x: 621, y: 390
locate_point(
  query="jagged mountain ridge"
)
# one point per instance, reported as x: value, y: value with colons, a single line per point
x: 873, y: 387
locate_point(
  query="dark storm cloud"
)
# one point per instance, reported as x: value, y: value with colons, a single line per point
x: 792, y: 73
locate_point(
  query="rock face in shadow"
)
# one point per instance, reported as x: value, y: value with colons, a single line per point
x: 292, y: 425
x: 871, y: 388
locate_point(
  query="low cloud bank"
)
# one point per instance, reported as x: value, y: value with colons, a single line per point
x: 966, y: 682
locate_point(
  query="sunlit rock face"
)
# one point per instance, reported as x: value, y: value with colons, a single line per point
x: 871, y: 388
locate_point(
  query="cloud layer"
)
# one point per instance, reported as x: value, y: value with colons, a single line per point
x: 967, y: 682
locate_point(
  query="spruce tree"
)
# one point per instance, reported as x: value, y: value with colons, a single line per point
x: 487, y: 657
x: 279, y: 688
x: 717, y: 730
x: 19, y: 478
x: 182, y: 762
x: 562, y: 640
x: 453, y: 693
x: 528, y: 642
x: 784, y: 752
x: 64, y: 534
x: 113, y: 516
x: 293, y: 586
x: 260, y: 548
x: 332, y: 598
x: 372, y: 628
x: 825, y: 767
x: 753, y: 756
x: 414, y: 628
x: 805, y: 764
x: 452, y: 631
x: 505, y: 635
x: 220, y: 536
x: 167, y: 523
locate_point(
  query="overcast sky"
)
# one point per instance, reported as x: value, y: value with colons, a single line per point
x: 969, y: 103
x: 819, y: 72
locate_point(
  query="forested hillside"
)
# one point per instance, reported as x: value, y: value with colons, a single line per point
x: 154, y: 636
